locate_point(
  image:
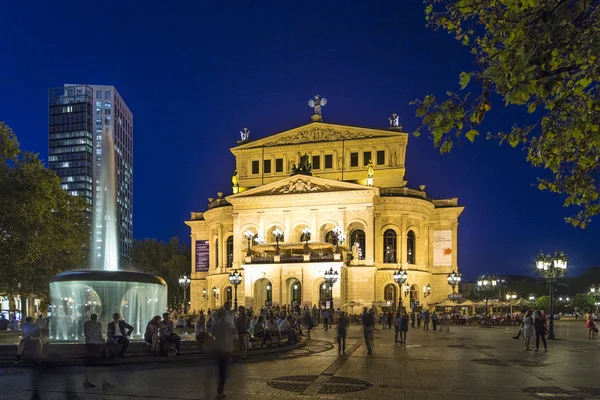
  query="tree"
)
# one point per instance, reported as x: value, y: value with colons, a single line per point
x: 583, y: 302
x: 541, y: 55
x: 543, y: 303
x: 168, y: 260
x: 43, y: 229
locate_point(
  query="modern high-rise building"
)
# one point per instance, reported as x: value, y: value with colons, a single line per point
x: 85, y: 121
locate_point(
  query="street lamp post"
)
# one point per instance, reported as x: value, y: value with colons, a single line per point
x: 235, y: 278
x: 306, y: 236
x: 278, y: 234
x: 400, y: 277
x: 486, y: 283
x: 204, y: 294
x: 249, y: 235
x: 551, y: 268
x: 331, y: 277
x: 184, y: 282
x: 426, y: 290
x: 454, y: 279
x: 595, y: 291
x: 340, y: 236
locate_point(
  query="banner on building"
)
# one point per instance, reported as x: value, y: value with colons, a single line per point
x: 202, y: 248
x: 442, y: 248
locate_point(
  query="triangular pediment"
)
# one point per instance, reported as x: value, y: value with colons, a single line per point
x: 318, y: 132
x: 301, y: 184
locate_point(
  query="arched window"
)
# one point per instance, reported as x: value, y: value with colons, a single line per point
x: 329, y: 238
x: 296, y: 297
x: 228, y: 294
x: 389, y: 246
x: 389, y: 295
x: 216, y: 253
x: 410, y: 247
x: 324, y: 294
x: 230, y: 252
x: 358, y: 236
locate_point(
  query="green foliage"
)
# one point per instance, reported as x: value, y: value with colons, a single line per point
x: 543, y: 303
x: 168, y: 260
x: 583, y: 302
x: 43, y: 230
x: 542, y: 55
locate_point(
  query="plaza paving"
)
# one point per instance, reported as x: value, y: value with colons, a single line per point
x: 466, y: 363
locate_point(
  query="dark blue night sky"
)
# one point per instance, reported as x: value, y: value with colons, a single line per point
x: 196, y: 72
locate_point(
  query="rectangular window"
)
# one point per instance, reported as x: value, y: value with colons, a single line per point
x: 99, y: 94
x: 107, y: 94
x: 328, y: 161
x: 255, y: 166
x: 316, y: 162
x: 366, y: 158
x: 380, y: 157
x: 279, y: 165
x: 354, y: 159
x: 267, y: 166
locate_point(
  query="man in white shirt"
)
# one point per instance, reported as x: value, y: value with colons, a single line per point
x: 285, y: 328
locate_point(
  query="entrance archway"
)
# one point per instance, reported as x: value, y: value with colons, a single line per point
x: 263, y: 293
x: 295, y: 292
x: 390, y: 295
x: 414, y: 297
x: 324, y: 294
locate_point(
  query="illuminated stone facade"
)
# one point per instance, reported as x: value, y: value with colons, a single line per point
x: 394, y: 226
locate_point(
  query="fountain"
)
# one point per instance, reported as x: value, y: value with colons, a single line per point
x: 104, y: 289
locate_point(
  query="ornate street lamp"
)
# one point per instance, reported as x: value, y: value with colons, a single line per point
x: 487, y: 284
x: 204, y: 294
x: 306, y: 236
x: 235, y: 278
x: 400, y: 277
x: 595, y: 291
x: 215, y: 294
x: 406, y: 289
x: 278, y: 234
x: 184, y: 282
x: 454, y: 279
x: 551, y: 268
x: 531, y: 297
x: 340, y: 236
x: 249, y: 235
x: 331, y: 277
x: 426, y: 290
x: 511, y: 296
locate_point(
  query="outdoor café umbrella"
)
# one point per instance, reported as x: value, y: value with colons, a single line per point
x: 447, y: 303
x: 351, y: 304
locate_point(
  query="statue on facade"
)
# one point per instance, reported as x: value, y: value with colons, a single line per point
x: 304, y: 166
x: 316, y: 104
x: 340, y: 162
x: 370, y: 169
x: 244, y: 170
x: 394, y: 158
x: 394, y: 121
x: 355, y: 251
x: 235, y: 179
x: 245, y: 134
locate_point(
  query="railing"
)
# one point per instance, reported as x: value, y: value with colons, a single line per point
x: 321, y: 257
x: 294, y: 258
x: 262, y: 260
x: 285, y: 258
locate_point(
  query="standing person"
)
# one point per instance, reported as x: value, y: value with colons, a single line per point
x: 326, y: 319
x: 342, y: 329
x: 390, y: 319
x: 117, y: 332
x: 404, y: 328
x: 307, y: 320
x: 368, y: 322
x: 434, y: 320
x: 167, y: 333
x: 397, y: 326
x: 590, y: 325
x: 221, y: 349
x: 242, y: 325
x: 383, y: 320
x: 412, y: 318
x: 419, y: 318
x: 426, y: 320
x: 528, y: 329
x: 201, y: 330
x: 14, y: 324
x: 540, y: 330
x: 94, y: 346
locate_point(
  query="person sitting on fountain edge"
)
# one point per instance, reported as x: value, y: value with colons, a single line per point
x: 117, y: 334
x: 167, y: 333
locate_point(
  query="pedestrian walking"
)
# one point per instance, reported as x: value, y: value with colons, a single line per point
x: 591, y: 325
x: 390, y: 319
x: 368, y: 321
x: 426, y: 320
x: 397, y: 326
x: 412, y: 318
x: 326, y: 319
x: 221, y: 347
x: 434, y: 320
x: 528, y: 329
x: 342, y: 330
x: 540, y: 330
x: 419, y: 319
x: 242, y: 325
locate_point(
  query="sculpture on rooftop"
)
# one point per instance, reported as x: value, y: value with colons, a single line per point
x: 316, y: 104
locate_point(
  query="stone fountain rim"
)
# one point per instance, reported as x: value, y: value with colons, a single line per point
x: 108, y: 276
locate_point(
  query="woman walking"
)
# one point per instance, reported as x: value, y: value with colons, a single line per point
x: 528, y: 329
x: 540, y: 330
x: 397, y: 326
x: 590, y: 325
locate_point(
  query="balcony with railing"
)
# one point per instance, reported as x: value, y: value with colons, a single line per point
x: 286, y: 253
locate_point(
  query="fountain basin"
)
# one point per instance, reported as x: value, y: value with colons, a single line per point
x: 75, y: 295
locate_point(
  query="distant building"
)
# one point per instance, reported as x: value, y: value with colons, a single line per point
x: 80, y: 119
x: 306, y: 187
